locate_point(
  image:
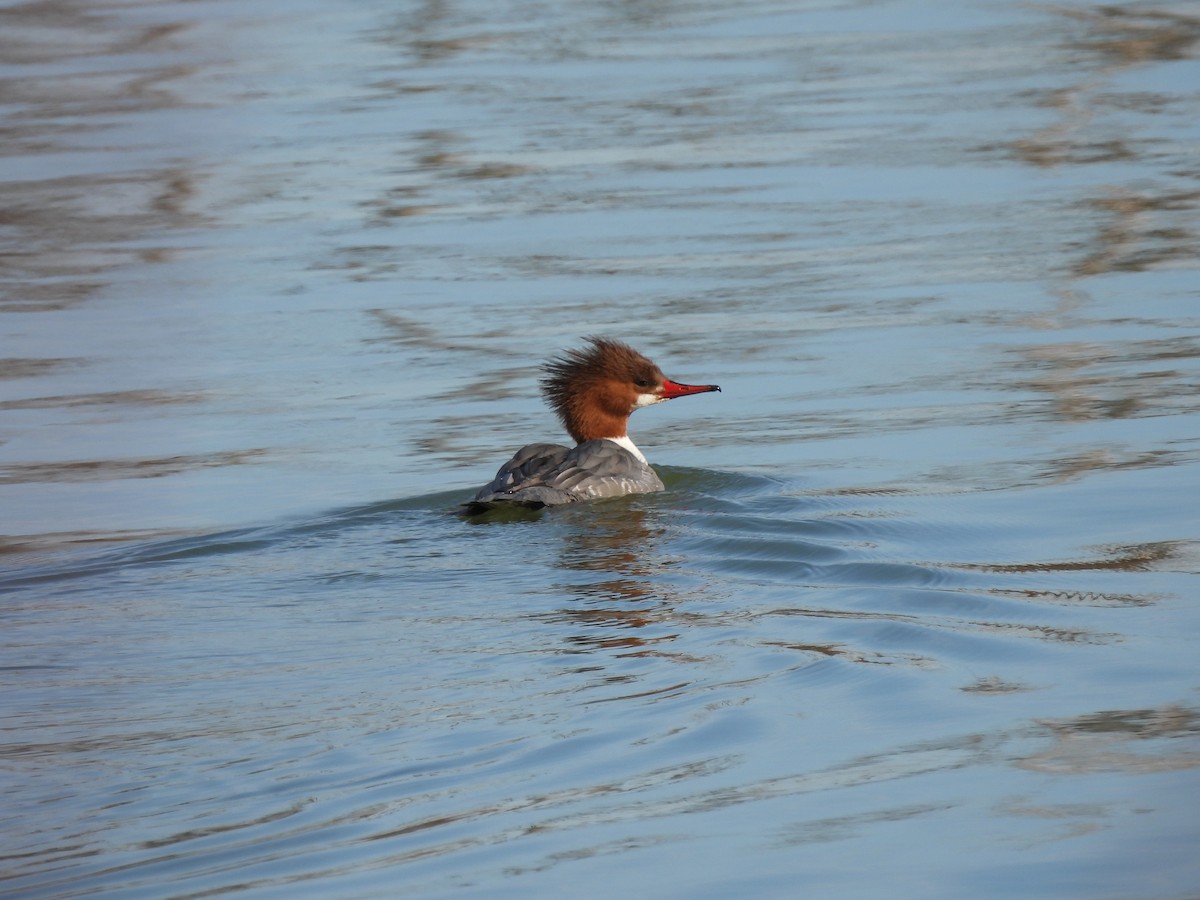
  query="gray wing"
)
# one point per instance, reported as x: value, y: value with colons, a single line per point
x: 601, y: 468
x: 551, y: 474
x: 527, y: 468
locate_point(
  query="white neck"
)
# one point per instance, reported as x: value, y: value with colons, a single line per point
x: 629, y: 445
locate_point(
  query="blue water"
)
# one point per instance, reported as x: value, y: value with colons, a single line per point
x: 915, y: 615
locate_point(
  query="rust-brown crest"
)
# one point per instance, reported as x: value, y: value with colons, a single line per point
x: 604, y: 372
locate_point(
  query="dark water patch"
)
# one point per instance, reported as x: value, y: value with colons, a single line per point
x: 50, y: 32
x: 43, y: 545
x: 745, y: 551
x: 121, y: 550
x: 1132, y: 36
x: 1159, y: 556
x: 34, y: 368
x: 147, y: 397
x: 994, y: 685
x: 505, y: 514
x: 1081, y: 598
x: 1160, y: 739
x: 1142, y: 231
x: 1114, y: 39
x: 931, y: 633
x: 407, y: 330
x: 73, y: 232
x: 1111, y: 379
x: 1046, y: 632
x: 849, y: 654
x: 499, y: 386
x: 840, y: 828
x: 111, y: 469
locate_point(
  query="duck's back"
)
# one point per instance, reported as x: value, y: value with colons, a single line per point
x: 551, y: 474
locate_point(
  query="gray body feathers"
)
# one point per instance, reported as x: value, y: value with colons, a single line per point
x: 551, y: 474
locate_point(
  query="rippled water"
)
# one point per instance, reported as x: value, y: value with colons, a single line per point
x: 916, y: 614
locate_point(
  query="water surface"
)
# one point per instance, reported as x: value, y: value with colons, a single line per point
x: 915, y: 615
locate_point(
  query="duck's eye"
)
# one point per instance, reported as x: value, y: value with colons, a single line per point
x: 644, y: 383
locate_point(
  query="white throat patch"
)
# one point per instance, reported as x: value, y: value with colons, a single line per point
x: 630, y: 446
x: 647, y: 400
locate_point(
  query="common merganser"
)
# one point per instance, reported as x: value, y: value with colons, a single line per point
x: 593, y: 390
